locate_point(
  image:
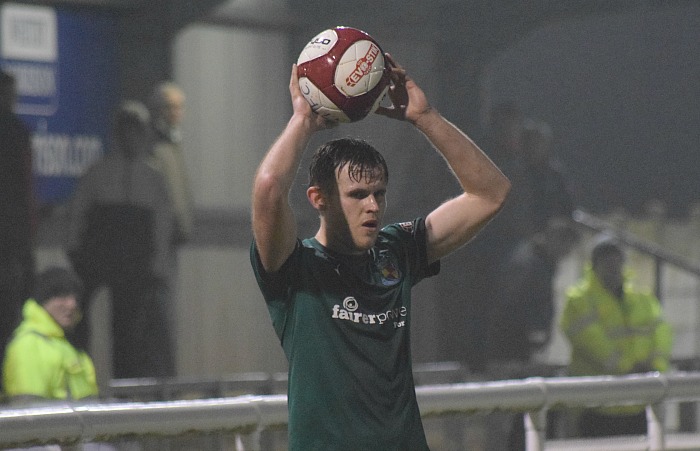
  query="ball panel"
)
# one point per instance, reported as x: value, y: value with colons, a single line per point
x: 318, y: 46
x: 320, y: 103
x: 353, y: 74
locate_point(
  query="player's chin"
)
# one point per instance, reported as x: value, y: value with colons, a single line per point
x: 367, y: 240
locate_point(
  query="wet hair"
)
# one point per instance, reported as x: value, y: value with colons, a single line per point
x: 56, y: 281
x: 357, y: 156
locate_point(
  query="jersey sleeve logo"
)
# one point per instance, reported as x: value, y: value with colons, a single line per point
x: 406, y: 226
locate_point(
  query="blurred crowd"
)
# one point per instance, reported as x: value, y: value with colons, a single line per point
x: 128, y: 216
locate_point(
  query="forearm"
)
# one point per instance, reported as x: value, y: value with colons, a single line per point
x: 484, y: 186
x: 274, y: 226
x: 473, y: 169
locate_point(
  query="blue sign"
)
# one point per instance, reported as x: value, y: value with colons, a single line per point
x: 64, y: 62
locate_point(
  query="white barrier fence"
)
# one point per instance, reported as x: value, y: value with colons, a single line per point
x: 247, y: 414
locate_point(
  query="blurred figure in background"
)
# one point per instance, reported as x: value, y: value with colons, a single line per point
x: 17, y: 217
x: 41, y: 364
x: 484, y: 255
x: 119, y: 235
x: 523, y: 312
x: 613, y: 330
x: 167, y: 107
x: 551, y: 190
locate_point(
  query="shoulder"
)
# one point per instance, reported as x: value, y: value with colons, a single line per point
x: 29, y: 344
x: 578, y: 292
x: 403, y: 230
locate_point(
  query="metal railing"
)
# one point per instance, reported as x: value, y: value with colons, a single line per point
x: 76, y: 423
x: 660, y: 255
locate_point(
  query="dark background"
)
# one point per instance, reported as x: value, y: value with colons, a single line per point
x: 616, y: 80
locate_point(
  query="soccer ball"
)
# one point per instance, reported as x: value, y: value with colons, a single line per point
x: 343, y: 74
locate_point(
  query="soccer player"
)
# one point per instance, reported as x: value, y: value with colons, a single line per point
x: 340, y: 301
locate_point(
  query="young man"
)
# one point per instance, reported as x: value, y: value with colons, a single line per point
x: 340, y: 302
x: 40, y: 363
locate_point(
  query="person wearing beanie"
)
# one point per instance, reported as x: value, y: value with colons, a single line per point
x: 40, y: 363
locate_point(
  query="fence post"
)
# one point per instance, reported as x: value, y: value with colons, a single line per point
x: 535, y: 424
x: 655, y: 427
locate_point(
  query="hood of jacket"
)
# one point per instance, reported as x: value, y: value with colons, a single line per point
x: 37, y: 319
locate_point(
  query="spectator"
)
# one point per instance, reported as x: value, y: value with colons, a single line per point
x: 16, y: 211
x: 487, y: 252
x: 523, y: 313
x: 613, y: 329
x: 167, y: 107
x: 119, y: 236
x: 41, y: 363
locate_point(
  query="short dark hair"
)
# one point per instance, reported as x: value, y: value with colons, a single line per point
x: 605, y: 245
x: 56, y: 281
x: 360, y: 156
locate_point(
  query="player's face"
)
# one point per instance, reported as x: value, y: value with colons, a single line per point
x: 355, y: 215
x: 65, y: 310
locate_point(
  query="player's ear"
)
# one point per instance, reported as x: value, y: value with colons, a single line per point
x: 316, y: 197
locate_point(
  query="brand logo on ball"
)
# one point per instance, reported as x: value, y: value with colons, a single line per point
x: 363, y: 66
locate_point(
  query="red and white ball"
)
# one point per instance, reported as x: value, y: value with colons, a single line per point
x: 343, y: 74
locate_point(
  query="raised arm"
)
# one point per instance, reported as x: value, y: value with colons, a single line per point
x: 485, y: 188
x: 274, y: 224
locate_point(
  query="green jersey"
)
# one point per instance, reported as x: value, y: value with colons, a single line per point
x: 344, y: 324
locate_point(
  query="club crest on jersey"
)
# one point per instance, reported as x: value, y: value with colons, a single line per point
x: 388, y: 269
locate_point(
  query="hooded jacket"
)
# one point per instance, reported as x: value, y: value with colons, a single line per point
x: 41, y: 362
x: 611, y: 336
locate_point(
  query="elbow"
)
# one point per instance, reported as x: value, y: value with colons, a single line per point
x: 501, y: 193
x: 504, y: 191
x: 268, y: 190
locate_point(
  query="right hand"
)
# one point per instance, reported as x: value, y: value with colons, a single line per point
x: 302, y: 107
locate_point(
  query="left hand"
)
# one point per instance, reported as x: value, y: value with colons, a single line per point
x: 408, y: 100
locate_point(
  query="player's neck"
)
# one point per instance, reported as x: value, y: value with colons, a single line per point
x: 337, y: 246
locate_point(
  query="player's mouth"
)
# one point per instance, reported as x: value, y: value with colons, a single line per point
x: 372, y: 224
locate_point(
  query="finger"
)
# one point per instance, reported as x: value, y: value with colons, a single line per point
x: 294, y: 78
x: 392, y: 61
x: 391, y: 112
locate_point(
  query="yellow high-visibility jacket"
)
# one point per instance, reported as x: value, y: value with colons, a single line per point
x: 609, y: 336
x: 40, y: 361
